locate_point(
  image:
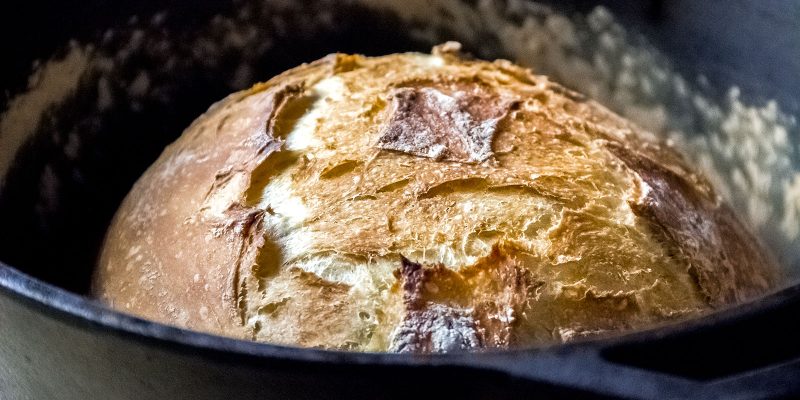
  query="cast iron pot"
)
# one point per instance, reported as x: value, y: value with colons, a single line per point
x: 56, y: 343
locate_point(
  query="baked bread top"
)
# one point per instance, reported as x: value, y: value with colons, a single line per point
x: 422, y: 203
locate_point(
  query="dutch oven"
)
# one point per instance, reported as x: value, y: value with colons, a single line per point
x: 116, y: 81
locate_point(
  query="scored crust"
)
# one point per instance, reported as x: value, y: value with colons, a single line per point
x: 421, y: 203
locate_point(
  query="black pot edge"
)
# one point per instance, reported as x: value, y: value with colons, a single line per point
x: 89, y: 314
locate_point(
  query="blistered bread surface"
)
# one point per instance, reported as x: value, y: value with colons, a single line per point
x: 422, y: 203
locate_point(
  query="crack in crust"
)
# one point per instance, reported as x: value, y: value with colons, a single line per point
x: 239, y: 220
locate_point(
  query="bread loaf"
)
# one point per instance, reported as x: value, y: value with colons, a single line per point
x: 422, y: 203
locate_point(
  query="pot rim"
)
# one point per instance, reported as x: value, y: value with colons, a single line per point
x: 90, y: 314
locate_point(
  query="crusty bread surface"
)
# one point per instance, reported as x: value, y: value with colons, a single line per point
x: 422, y: 203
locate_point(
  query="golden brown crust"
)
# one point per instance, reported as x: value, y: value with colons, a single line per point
x: 525, y: 214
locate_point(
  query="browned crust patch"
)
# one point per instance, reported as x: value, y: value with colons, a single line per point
x: 474, y: 308
x: 444, y: 122
x: 724, y: 259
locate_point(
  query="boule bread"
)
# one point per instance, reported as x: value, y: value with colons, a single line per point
x: 422, y: 203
